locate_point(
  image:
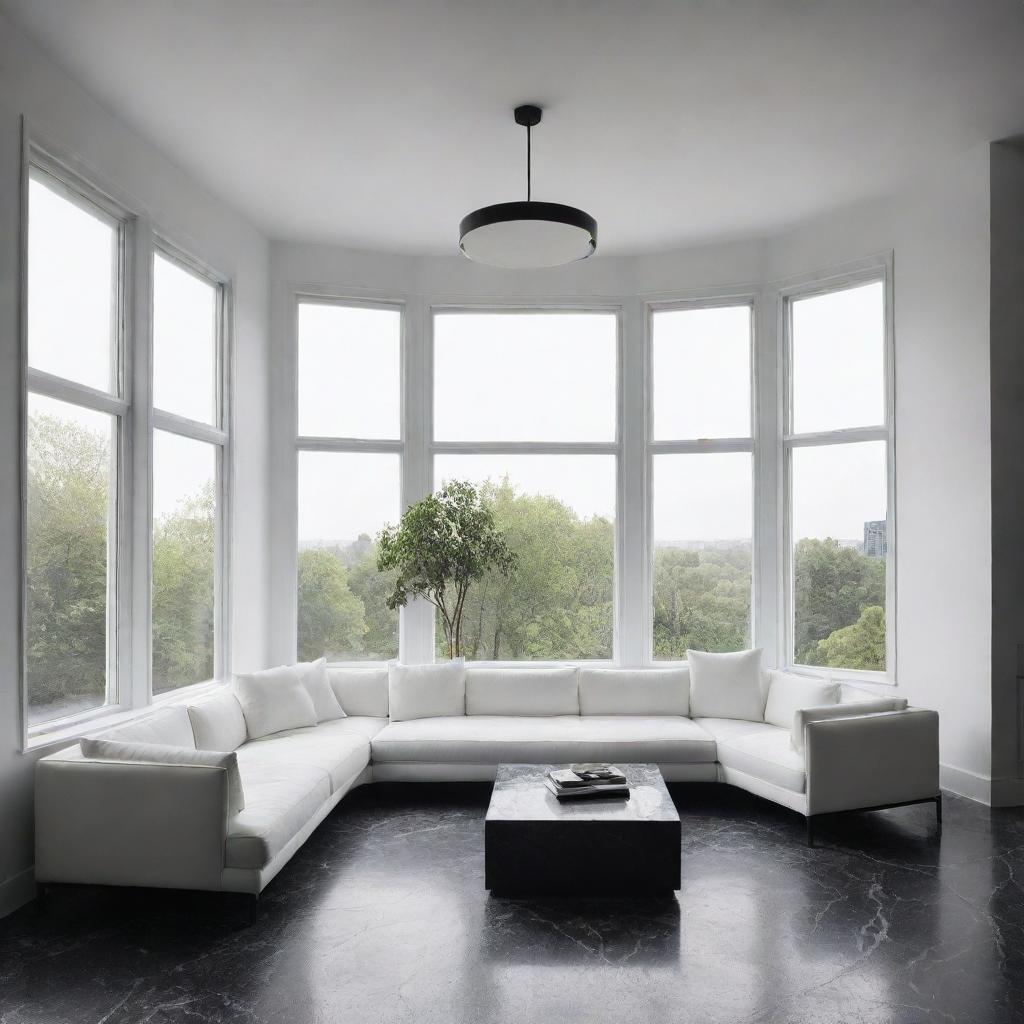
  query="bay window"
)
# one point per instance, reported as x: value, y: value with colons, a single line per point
x: 701, y: 470
x: 525, y: 407
x: 349, y: 476
x: 76, y: 409
x: 189, y: 610
x: 838, y: 459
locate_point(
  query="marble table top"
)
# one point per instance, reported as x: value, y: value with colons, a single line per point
x: 520, y: 795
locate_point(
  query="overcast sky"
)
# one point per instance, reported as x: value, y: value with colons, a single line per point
x: 498, y: 377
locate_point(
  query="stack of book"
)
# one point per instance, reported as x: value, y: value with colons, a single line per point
x: 580, y: 781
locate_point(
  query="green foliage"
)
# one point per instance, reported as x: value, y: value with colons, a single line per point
x: 331, y: 616
x: 184, y: 545
x: 443, y: 544
x: 832, y: 586
x: 701, y: 600
x: 860, y: 645
x: 558, y: 603
x: 68, y: 471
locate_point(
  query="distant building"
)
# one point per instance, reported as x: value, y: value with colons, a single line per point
x: 874, y: 539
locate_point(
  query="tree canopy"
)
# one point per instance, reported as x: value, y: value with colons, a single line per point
x: 443, y: 545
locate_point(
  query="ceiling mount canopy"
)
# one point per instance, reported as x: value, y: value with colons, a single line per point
x: 528, y: 234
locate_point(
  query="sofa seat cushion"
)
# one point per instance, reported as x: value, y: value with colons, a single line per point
x: 339, y: 749
x: 766, y: 754
x: 490, y: 739
x: 280, y: 798
x: 726, y: 729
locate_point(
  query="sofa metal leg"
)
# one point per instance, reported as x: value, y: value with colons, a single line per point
x: 938, y: 813
x: 810, y: 830
x: 254, y: 908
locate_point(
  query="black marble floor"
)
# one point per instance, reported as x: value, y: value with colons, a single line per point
x: 382, y: 917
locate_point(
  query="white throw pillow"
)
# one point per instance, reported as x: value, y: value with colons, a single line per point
x: 522, y: 691
x: 635, y: 691
x: 847, y: 710
x: 162, y: 753
x: 427, y: 691
x: 218, y: 723
x: 170, y: 726
x: 726, y: 685
x: 361, y: 691
x: 274, y: 700
x: 789, y: 693
x: 314, y: 678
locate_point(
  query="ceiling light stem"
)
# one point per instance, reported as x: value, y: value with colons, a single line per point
x: 529, y: 157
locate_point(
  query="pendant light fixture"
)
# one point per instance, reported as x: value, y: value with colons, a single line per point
x: 528, y: 234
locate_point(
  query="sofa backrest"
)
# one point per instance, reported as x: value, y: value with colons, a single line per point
x: 635, y: 691
x: 169, y: 725
x: 522, y: 691
x: 361, y: 691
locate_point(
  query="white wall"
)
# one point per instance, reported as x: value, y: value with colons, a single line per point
x: 151, y: 186
x: 938, y: 229
x: 1007, y: 374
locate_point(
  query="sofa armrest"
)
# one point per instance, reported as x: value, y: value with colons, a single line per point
x: 130, y: 823
x: 871, y: 760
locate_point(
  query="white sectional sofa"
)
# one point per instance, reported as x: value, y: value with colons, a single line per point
x: 171, y: 815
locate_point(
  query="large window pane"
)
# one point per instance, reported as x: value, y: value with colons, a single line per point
x: 702, y: 553
x: 349, y: 371
x: 838, y: 359
x: 184, y: 560
x: 839, y: 516
x: 701, y: 373
x: 185, y: 336
x: 70, y: 503
x: 559, y: 513
x: 72, y: 286
x: 344, y: 500
x: 524, y: 376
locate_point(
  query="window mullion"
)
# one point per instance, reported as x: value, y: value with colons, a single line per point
x: 139, y: 380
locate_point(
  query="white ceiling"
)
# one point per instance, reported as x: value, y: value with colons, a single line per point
x: 380, y: 123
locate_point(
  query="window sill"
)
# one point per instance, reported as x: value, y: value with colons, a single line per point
x: 65, y: 733
x: 853, y: 676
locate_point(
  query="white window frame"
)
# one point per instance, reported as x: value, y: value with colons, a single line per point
x: 614, y: 448
x: 129, y: 634
x: 217, y: 434
x: 698, y: 446
x: 309, y: 443
x: 874, y: 269
x: 117, y: 403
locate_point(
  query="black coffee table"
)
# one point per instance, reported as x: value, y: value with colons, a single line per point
x: 534, y: 843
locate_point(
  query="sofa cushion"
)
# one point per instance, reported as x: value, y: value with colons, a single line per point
x: 725, y: 729
x: 361, y: 691
x: 483, y: 739
x: 169, y: 725
x: 522, y: 691
x: 280, y: 800
x: 318, y: 686
x: 767, y: 755
x: 726, y: 685
x: 340, y: 749
x: 218, y: 722
x: 162, y: 753
x: 629, y: 691
x: 788, y: 693
x: 844, y: 710
x: 426, y: 691
x: 274, y: 700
